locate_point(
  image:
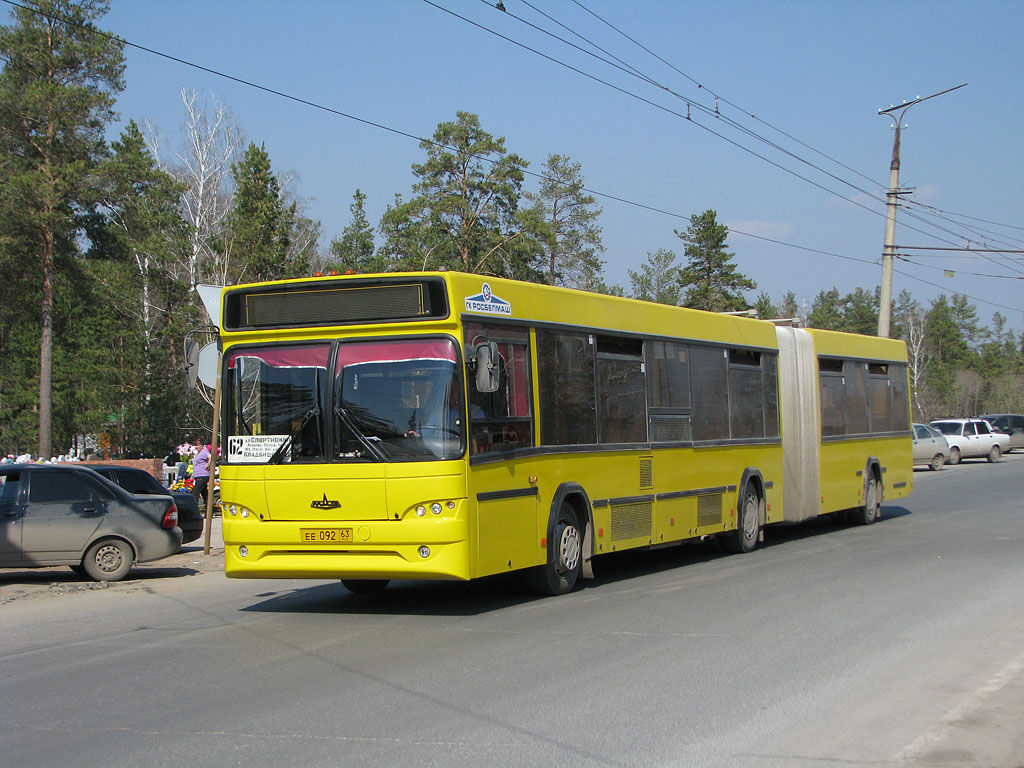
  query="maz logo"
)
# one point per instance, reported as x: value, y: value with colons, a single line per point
x: 325, y: 503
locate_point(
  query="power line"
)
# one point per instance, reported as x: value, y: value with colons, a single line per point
x: 405, y: 134
x: 689, y: 119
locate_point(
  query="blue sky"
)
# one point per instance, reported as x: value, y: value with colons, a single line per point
x: 817, y: 70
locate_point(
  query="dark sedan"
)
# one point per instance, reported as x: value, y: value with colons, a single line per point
x: 137, y: 481
x: 66, y: 515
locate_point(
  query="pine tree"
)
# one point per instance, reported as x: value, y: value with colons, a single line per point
x: 463, y: 215
x: 57, y: 89
x: 569, y: 234
x: 658, y: 279
x: 710, y: 277
x: 354, y: 249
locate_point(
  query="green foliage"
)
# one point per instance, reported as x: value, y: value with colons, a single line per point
x: 710, y: 277
x: 658, y: 279
x: 564, y: 220
x: 463, y: 214
x: 261, y: 225
x: 57, y: 90
x: 354, y: 249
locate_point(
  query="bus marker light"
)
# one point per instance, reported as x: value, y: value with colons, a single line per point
x: 424, y: 552
x: 532, y: 480
x: 243, y: 551
x: 544, y: 543
x: 600, y: 532
x: 671, y: 521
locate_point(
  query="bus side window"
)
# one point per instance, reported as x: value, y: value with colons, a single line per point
x: 501, y: 420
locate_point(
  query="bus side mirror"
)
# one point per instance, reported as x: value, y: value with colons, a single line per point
x: 487, y: 366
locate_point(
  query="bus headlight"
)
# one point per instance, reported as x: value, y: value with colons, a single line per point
x: 424, y: 551
x: 436, y: 508
x: 421, y: 511
x: 243, y: 551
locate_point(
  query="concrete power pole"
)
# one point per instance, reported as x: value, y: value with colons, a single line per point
x: 892, y: 201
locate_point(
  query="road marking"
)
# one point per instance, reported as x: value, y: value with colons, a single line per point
x: 938, y: 732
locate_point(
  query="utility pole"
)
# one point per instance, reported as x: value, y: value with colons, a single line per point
x: 892, y: 201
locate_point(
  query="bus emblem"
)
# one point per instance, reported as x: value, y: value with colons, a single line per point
x: 487, y: 302
x: 325, y: 503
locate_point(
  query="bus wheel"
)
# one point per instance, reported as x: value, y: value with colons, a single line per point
x: 748, y: 527
x: 364, y: 586
x: 559, y: 574
x: 872, y: 509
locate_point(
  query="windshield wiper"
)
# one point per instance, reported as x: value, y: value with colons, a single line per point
x: 311, y: 413
x: 349, y: 422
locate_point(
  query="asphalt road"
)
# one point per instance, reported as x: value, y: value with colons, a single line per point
x: 898, y: 644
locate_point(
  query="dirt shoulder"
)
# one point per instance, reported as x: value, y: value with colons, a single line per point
x: 37, y: 583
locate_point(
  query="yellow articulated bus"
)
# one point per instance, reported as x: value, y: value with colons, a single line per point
x: 449, y: 426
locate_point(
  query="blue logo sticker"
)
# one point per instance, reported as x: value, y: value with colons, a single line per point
x: 487, y: 302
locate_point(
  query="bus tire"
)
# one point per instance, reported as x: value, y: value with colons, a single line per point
x: 748, y: 526
x: 565, y: 557
x: 365, y: 586
x: 872, y: 509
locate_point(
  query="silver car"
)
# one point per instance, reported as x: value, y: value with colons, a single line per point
x: 930, y: 447
x: 68, y: 515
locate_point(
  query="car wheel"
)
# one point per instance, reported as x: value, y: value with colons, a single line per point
x: 954, y: 455
x: 365, y: 586
x: 994, y: 454
x: 558, y: 576
x: 937, y: 461
x: 108, y: 560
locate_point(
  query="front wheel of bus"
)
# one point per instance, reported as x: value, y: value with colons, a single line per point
x: 558, y: 576
x: 364, y: 586
x: 748, y: 527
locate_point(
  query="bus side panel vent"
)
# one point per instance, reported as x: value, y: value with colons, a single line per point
x: 646, y: 473
x: 632, y: 521
x: 709, y: 510
x: 670, y: 429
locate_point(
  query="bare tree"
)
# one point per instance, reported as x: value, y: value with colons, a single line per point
x: 918, y: 358
x: 212, y: 142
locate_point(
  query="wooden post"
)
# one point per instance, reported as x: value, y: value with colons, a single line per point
x: 213, y: 462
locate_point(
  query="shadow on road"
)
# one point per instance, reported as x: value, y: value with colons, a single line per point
x: 493, y: 593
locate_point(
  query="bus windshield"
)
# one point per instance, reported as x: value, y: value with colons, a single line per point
x: 386, y: 401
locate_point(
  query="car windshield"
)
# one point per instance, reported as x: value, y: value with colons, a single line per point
x: 949, y: 427
x: 385, y: 401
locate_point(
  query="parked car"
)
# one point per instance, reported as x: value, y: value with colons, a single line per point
x: 60, y: 514
x: 971, y: 437
x: 133, y: 480
x: 930, y: 446
x: 1011, y: 424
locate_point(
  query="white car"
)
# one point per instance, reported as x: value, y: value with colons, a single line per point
x: 930, y: 447
x: 969, y: 438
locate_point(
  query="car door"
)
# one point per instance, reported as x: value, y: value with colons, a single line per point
x: 11, y: 509
x: 972, y: 447
x: 986, y: 439
x: 61, y: 514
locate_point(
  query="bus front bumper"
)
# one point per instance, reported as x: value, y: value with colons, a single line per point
x: 419, y: 549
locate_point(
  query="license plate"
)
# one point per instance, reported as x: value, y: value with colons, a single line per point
x: 326, y: 535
